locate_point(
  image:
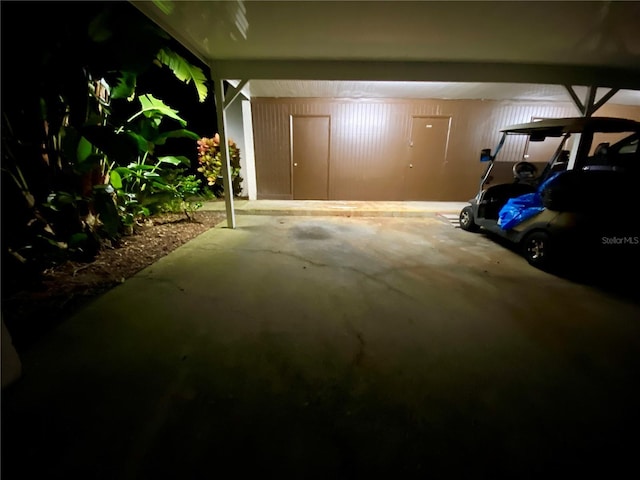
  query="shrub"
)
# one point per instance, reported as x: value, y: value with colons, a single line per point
x: 210, y: 160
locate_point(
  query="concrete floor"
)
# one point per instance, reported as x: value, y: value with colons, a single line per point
x: 333, y: 347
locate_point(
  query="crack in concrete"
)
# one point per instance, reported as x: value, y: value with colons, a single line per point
x: 162, y: 280
x: 374, y: 277
x: 370, y: 276
x: 291, y: 255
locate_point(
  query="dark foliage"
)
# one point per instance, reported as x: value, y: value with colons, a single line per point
x: 49, y: 52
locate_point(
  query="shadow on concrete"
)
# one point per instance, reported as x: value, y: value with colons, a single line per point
x: 613, y: 273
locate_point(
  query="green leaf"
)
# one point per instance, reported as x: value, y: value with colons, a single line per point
x: 173, y: 160
x: 116, y: 180
x: 140, y: 166
x: 50, y: 241
x: 125, y: 87
x: 62, y: 198
x: 185, y: 71
x: 161, y: 186
x: 84, y: 150
x: 151, y: 106
x: 182, y: 133
x: 118, y: 147
x: 140, y: 140
x: 89, y: 163
x: 77, y: 239
x: 70, y: 138
x: 124, y: 172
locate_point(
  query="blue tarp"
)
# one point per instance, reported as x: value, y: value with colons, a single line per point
x: 521, y: 208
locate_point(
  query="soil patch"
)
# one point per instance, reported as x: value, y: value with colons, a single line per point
x: 30, y: 313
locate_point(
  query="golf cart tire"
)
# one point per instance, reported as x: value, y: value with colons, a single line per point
x: 466, y: 220
x: 537, y: 249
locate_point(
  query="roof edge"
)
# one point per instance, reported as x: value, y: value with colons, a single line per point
x: 304, y: 69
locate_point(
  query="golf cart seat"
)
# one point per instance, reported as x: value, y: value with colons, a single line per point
x: 600, y: 160
x: 525, y: 172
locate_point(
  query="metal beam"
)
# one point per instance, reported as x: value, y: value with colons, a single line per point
x: 590, y: 101
x: 590, y: 106
x: 224, y: 149
x: 233, y: 93
x: 574, y: 96
x: 605, y: 98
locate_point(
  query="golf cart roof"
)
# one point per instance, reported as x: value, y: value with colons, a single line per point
x: 555, y: 127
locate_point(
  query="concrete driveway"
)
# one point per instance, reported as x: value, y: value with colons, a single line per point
x: 333, y: 347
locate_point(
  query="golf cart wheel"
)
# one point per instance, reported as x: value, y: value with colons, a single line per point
x: 466, y: 220
x: 537, y: 249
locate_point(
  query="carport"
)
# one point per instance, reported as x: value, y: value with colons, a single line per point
x: 342, y: 347
x: 584, y: 52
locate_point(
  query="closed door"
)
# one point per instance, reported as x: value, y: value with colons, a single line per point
x: 427, y: 157
x: 310, y: 157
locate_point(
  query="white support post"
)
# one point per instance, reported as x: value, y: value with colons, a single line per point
x: 249, y: 153
x: 224, y: 148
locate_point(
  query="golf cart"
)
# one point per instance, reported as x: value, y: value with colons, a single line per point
x: 578, y: 206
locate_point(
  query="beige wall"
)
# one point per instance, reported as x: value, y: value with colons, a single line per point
x: 369, y: 142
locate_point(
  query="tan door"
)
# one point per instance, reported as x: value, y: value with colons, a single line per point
x: 427, y: 156
x: 310, y: 157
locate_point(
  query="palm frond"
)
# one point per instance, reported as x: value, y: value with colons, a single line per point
x: 185, y: 71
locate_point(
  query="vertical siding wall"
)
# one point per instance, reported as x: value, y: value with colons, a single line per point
x: 369, y: 148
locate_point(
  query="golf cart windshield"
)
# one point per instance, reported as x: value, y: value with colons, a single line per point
x: 598, y: 139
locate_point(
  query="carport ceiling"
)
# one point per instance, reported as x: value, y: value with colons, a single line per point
x: 479, y: 46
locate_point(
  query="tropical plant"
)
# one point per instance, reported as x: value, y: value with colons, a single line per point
x: 67, y: 124
x: 187, y: 195
x: 210, y: 161
x: 147, y: 181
